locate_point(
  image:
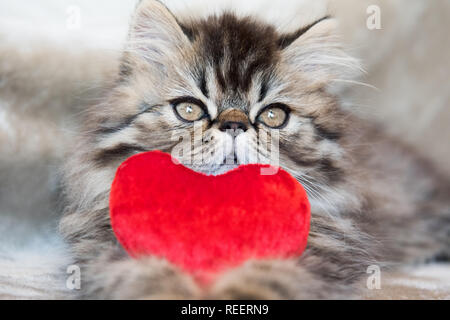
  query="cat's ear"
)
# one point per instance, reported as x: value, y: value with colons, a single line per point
x: 155, y: 35
x: 317, y: 52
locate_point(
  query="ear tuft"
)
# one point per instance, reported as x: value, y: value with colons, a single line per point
x: 155, y: 34
x: 317, y: 52
x: 287, y: 39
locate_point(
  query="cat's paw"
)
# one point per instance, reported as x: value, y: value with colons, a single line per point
x: 258, y: 280
x: 146, y: 278
x: 275, y: 280
x: 243, y: 292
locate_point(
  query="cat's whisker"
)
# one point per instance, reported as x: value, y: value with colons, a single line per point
x: 359, y: 83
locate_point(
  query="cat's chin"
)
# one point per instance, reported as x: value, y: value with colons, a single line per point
x: 215, y: 171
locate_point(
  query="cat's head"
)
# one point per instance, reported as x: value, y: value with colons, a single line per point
x: 223, y: 73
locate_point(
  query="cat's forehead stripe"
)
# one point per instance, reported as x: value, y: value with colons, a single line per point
x: 238, y: 49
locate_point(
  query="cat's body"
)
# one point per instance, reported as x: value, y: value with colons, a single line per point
x: 373, y: 202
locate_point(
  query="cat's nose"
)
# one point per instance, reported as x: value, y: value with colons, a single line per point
x: 233, y: 120
x: 233, y: 125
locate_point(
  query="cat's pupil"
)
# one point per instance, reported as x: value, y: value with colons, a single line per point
x: 271, y: 114
x: 189, y: 109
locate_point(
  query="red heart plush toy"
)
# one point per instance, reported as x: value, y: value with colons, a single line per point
x: 207, y: 224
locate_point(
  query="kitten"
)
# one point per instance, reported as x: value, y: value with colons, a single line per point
x: 372, y: 201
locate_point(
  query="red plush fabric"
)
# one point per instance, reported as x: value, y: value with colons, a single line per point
x: 207, y: 224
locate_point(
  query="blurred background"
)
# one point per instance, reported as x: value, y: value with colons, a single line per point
x: 57, y: 55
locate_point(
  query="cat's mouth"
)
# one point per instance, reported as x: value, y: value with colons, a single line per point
x: 228, y: 164
x: 221, y: 158
x: 214, y: 165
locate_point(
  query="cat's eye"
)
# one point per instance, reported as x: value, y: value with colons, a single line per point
x: 189, y: 110
x: 274, y: 116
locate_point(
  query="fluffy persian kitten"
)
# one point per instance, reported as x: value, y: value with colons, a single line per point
x: 236, y: 79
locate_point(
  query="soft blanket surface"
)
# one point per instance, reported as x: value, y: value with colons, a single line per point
x: 427, y: 282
